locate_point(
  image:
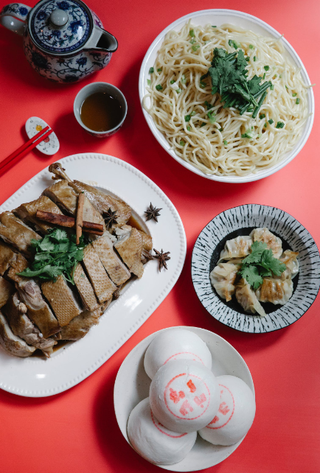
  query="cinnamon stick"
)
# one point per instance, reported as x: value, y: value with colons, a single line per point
x: 79, y: 217
x: 69, y: 222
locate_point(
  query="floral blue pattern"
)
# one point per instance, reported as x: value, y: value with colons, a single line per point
x: 17, y: 9
x: 74, y: 34
x: 65, y: 69
x: 58, y: 54
x: 41, y: 15
x: 23, y: 11
x: 63, y: 5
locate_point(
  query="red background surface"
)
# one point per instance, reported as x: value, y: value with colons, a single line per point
x: 77, y: 430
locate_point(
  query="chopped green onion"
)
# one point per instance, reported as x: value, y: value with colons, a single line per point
x: 159, y: 87
x: 203, y: 84
x: 195, y: 47
x: 225, y: 142
x: 234, y: 44
x: 172, y: 81
x: 192, y: 41
x: 202, y: 124
x: 159, y: 69
x: 191, y: 33
x: 294, y: 94
x: 247, y: 59
x: 148, y: 81
x: 271, y: 87
x: 188, y: 128
x: 248, y: 134
x: 256, y: 110
x: 279, y: 125
x: 192, y: 113
x: 251, y: 46
x: 265, y: 125
x: 270, y: 121
x: 182, y: 143
x: 208, y: 105
x: 262, y: 115
x: 264, y: 76
x: 212, y: 116
x: 151, y: 70
x: 254, y: 58
x: 178, y: 91
x: 183, y: 79
x: 297, y: 101
x: 266, y: 68
x: 187, y: 118
x: 213, y: 26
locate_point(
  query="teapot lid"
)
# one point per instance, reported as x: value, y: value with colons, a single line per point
x: 60, y: 26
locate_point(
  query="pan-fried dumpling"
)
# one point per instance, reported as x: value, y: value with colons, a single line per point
x: 248, y: 299
x: 236, y: 248
x: 222, y: 279
x: 272, y: 241
x: 273, y: 290
x: 289, y: 258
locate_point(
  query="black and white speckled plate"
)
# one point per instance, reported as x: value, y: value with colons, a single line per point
x: 240, y: 221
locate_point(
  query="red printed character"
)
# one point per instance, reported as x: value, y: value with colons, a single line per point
x: 223, y: 408
x: 184, y: 408
x: 176, y: 396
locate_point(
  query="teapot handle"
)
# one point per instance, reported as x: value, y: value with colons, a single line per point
x: 13, y: 17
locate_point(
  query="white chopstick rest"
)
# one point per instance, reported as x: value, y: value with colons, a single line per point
x: 51, y: 144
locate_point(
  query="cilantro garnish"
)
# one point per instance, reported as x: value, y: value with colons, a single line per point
x: 228, y: 74
x: 55, y: 254
x: 260, y: 263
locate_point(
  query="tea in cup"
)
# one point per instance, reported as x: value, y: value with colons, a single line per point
x: 100, y: 108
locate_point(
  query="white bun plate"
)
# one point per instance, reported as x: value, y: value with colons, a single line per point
x: 132, y: 386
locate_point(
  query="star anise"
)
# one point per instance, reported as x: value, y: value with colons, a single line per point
x: 152, y: 213
x: 162, y: 258
x: 147, y: 256
x: 110, y: 217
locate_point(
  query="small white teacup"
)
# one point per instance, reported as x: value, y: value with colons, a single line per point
x: 93, y: 101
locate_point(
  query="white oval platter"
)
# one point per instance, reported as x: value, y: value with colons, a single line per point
x: 71, y: 364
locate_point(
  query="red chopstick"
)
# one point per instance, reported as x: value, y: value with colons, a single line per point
x: 26, y: 147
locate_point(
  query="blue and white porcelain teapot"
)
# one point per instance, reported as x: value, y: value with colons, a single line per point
x: 63, y: 39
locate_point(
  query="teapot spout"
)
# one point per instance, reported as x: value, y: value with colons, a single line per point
x: 101, y: 40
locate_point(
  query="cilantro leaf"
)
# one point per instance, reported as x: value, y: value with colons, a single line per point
x: 252, y: 275
x: 56, y: 254
x: 268, y: 261
x: 257, y: 248
x: 228, y: 73
x: 259, y: 264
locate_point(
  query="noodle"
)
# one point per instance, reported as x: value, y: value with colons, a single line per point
x: 177, y: 100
